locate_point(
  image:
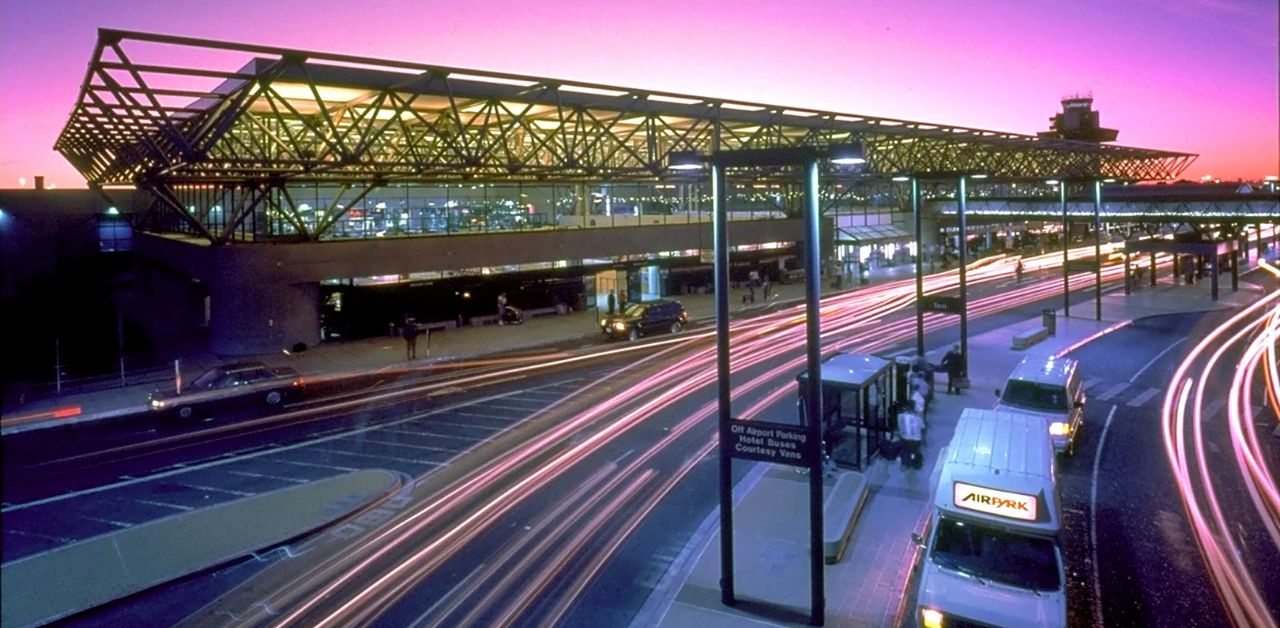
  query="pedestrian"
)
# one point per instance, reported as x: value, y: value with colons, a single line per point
x: 767, y: 286
x: 954, y: 364
x: 911, y: 431
x: 502, y: 308
x: 1017, y: 270
x: 919, y: 393
x: 613, y: 302
x: 622, y: 300
x: 410, y: 334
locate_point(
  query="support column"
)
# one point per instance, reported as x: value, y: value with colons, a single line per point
x: 813, y: 393
x: 1235, y: 268
x: 720, y: 238
x: 961, y: 194
x: 1097, y: 249
x: 1153, y: 269
x: 1213, y: 279
x: 915, y: 213
x: 1066, y: 245
x: 1128, y: 287
x: 256, y: 315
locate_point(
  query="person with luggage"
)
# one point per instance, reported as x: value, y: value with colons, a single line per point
x: 954, y: 364
x: 910, y: 435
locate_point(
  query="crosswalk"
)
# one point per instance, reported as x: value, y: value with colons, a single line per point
x: 1124, y: 393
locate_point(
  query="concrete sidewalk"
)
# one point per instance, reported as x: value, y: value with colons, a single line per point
x: 868, y: 587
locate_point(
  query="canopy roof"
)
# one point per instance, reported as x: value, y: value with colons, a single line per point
x: 157, y: 109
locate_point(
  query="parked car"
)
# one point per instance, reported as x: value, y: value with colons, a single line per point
x: 512, y: 315
x: 642, y: 319
x: 240, y: 384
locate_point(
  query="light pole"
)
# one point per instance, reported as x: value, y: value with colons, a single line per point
x: 808, y: 158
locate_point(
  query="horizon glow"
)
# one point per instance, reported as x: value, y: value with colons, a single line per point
x: 1196, y: 76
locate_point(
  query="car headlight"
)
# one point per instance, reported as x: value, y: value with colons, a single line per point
x: 156, y: 404
x: 1058, y: 428
x: 620, y: 326
x: 604, y: 322
x: 930, y: 618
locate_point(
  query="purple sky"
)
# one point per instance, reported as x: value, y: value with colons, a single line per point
x: 1189, y: 75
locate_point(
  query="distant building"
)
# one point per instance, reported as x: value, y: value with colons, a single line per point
x: 1078, y: 121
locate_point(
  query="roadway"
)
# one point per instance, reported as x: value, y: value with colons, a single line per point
x: 556, y: 493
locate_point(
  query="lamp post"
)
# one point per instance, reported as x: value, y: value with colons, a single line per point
x: 808, y: 158
x: 915, y: 213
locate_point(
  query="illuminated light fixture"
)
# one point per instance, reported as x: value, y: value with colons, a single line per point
x: 684, y: 160
x: 901, y: 178
x: 1108, y: 180
x: 1271, y: 177
x: 1052, y: 182
x: 112, y: 211
x: 977, y: 176
x: 847, y: 154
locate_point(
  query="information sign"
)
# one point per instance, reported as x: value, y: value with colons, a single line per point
x: 771, y: 442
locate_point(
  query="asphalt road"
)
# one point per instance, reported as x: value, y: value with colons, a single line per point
x: 1146, y: 563
x: 443, y: 437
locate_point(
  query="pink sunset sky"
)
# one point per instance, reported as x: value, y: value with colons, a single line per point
x: 1197, y: 76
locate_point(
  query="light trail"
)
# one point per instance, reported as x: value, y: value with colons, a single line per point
x: 1253, y: 333
x: 394, y: 559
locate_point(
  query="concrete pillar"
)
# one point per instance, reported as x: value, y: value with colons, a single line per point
x: 651, y: 282
x: 581, y: 203
x: 250, y: 315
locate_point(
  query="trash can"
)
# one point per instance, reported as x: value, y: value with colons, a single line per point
x: 1048, y: 318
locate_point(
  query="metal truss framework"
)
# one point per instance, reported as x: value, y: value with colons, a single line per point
x: 284, y: 117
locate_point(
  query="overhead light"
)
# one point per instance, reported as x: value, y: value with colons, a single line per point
x: 684, y: 160
x: 846, y: 154
x: 1108, y: 180
x: 977, y: 176
x: 902, y: 178
x: 1271, y: 177
x: 1052, y: 182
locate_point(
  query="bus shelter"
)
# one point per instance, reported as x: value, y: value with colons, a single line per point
x: 857, y: 414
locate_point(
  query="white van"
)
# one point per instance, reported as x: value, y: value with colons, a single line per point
x: 1049, y: 388
x: 991, y: 556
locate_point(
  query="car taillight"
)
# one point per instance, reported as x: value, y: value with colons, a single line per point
x: 297, y: 382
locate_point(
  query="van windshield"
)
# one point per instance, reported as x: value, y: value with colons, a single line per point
x: 1034, y: 396
x: 1018, y: 560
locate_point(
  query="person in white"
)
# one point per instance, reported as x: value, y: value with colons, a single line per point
x: 911, y: 431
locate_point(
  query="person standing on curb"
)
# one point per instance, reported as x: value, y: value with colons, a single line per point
x: 911, y: 430
x: 767, y: 286
x: 410, y: 334
x: 613, y: 302
x: 953, y: 364
x: 502, y: 308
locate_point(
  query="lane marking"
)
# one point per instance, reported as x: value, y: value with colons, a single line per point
x: 214, y: 489
x: 1155, y: 359
x: 1090, y: 382
x: 1113, y: 391
x: 1144, y: 397
x: 1212, y: 408
x: 1093, y: 520
x: 250, y: 474
x: 314, y: 465
x: 153, y: 502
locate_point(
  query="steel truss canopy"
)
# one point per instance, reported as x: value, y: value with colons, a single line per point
x: 162, y: 111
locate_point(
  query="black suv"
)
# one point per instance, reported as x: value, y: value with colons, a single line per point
x: 642, y: 319
x: 227, y: 386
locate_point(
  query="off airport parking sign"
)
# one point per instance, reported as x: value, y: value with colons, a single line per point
x: 771, y: 442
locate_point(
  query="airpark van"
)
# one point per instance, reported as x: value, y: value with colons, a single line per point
x: 1050, y: 388
x: 991, y: 557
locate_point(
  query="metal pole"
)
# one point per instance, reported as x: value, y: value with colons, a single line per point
x: 915, y: 210
x: 57, y: 365
x: 720, y: 239
x: 813, y: 393
x: 1097, y: 249
x: 1066, y: 245
x: 120, y: 343
x: 962, y: 192
x: 177, y: 375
